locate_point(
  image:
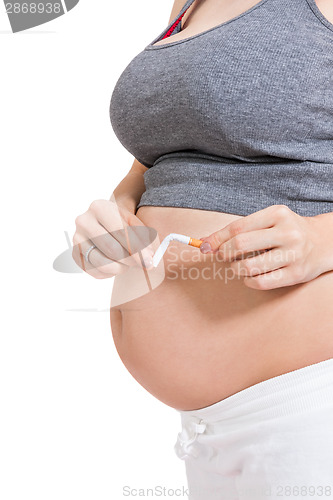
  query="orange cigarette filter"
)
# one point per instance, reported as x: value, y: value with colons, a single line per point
x: 195, y: 243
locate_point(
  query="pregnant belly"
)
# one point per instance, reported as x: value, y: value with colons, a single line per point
x: 202, y: 335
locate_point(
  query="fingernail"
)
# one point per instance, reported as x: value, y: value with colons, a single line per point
x: 148, y: 262
x: 205, y: 247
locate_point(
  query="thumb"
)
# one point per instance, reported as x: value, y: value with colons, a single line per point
x: 212, y: 243
x: 140, y: 240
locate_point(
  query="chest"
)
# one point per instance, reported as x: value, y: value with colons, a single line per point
x: 326, y: 8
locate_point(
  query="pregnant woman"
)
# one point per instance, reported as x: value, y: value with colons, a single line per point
x: 229, y: 116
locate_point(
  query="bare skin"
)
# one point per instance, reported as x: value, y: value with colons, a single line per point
x: 205, y: 14
x: 200, y: 337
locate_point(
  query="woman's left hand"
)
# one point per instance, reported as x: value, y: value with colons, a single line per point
x: 294, y: 247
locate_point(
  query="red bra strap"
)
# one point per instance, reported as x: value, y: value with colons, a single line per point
x: 170, y: 30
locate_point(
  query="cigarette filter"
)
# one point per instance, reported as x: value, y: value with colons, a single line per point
x: 187, y: 240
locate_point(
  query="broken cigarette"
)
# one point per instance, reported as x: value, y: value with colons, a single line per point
x: 187, y: 240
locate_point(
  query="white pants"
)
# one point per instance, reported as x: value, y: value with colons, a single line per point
x: 272, y: 440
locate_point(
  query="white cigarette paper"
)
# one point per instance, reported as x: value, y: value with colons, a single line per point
x: 165, y: 243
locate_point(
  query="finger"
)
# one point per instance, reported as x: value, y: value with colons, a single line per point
x: 131, y: 237
x: 145, y: 237
x: 95, y: 233
x: 78, y: 258
x: 262, y: 219
x: 136, y: 237
x: 122, y: 232
x: 286, y: 276
x: 105, y: 220
x: 78, y: 255
x: 98, y: 260
x: 252, y: 241
x: 264, y: 263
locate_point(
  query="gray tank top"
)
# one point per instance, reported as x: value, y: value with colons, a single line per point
x: 235, y: 118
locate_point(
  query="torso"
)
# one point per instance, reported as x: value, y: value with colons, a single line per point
x: 202, y: 335
x: 198, y: 337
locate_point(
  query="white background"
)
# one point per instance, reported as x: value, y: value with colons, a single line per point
x: 75, y: 425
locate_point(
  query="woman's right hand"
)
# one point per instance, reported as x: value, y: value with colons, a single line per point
x: 118, y: 235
